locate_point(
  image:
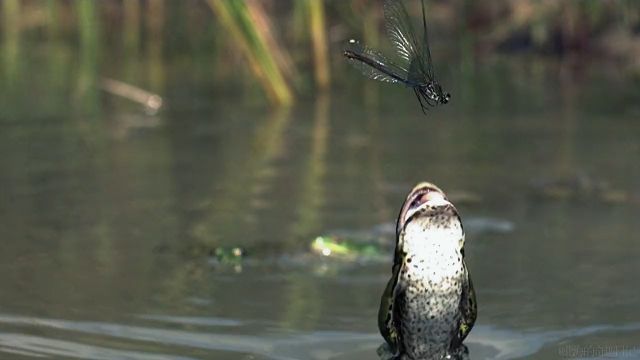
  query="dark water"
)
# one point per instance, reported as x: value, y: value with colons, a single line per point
x: 108, y: 214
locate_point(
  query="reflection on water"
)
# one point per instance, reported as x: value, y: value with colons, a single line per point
x: 100, y: 201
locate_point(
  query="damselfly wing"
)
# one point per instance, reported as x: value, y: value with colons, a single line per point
x: 415, y: 68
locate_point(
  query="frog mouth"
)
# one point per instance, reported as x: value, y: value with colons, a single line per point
x: 431, y: 203
x: 424, y: 199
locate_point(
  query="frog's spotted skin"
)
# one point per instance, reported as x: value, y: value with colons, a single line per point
x: 428, y: 307
x: 430, y: 285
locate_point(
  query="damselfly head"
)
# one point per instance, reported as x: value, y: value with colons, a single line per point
x: 446, y: 98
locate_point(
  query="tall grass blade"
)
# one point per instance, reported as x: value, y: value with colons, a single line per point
x: 236, y: 20
x: 319, y: 38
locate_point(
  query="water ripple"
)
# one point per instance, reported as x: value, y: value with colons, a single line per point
x: 36, y: 346
x: 485, y: 342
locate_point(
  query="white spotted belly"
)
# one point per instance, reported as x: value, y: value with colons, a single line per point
x: 430, y: 288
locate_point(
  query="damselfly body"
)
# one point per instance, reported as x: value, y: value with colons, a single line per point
x: 415, y: 69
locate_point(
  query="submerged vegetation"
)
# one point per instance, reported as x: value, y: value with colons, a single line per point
x: 292, y: 47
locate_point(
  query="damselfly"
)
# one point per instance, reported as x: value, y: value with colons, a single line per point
x: 415, y: 69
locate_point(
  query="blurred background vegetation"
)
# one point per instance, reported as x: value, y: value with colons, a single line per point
x: 290, y: 48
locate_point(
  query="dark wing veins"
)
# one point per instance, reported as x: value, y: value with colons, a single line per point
x: 416, y: 55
